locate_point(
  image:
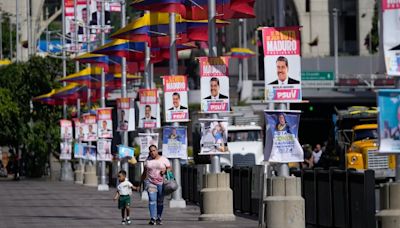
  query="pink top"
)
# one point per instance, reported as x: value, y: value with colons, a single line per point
x: 154, y: 167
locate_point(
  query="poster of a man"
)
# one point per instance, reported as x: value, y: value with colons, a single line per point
x: 92, y: 134
x: 147, y: 116
x: 214, y: 83
x: 66, y: 129
x: 215, y: 90
x: 66, y: 148
x: 176, y: 101
x: 282, y: 70
x: 282, y: 63
x: 123, y: 122
x: 104, y: 150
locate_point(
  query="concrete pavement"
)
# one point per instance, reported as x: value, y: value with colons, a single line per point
x: 40, y: 203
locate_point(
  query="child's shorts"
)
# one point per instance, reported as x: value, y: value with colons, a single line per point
x: 124, y: 201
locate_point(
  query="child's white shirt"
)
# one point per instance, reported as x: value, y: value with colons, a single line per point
x: 125, y: 188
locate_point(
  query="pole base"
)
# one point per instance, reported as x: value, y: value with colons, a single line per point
x: 66, y: 172
x: 177, y: 203
x: 78, y: 182
x: 103, y: 187
x: 217, y: 217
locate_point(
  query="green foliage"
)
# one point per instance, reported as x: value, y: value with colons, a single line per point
x: 7, y: 34
x: 371, y: 40
x: 34, y: 128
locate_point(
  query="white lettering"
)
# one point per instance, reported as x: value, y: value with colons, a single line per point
x: 282, y: 45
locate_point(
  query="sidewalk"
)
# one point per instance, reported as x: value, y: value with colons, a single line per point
x: 39, y: 203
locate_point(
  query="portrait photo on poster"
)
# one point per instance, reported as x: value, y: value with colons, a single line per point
x: 146, y: 140
x: 89, y: 153
x: 282, y: 143
x: 176, y: 105
x: 66, y: 150
x: 104, y: 128
x: 123, y: 119
x: 148, y: 116
x: 90, y: 133
x: 214, y: 135
x: 104, y: 150
x: 175, y: 142
x: 125, y: 152
x: 66, y: 129
x: 215, y: 94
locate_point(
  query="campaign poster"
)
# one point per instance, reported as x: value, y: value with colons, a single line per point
x: 89, y: 127
x: 389, y: 120
x: 214, y: 83
x: 282, y: 144
x: 176, y: 98
x: 89, y: 153
x: 391, y: 37
x: 282, y: 63
x: 104, y: 123
x: 146, y: 140
x: 66, y: 150
x: 78, y: 128
x: 78, y: 150
x: 148, y: 109
x: 125, y: 152
x: 125, y: 114
x: 104, y: 150
x: 66, y: 129
x: 174, y: 142
x: 214, y: 135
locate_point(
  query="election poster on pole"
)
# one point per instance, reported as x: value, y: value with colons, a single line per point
x: 66, y: 150
x: 148, y: 108
x: 125, y: 114
x: 281, y: 140
x: 176, y: 98
x: 214, y: 136
x: 391, y: 37
x: 146, y: 140
x: 388, y: 121
x: 214, y: 83
x: 78, y: 150
x: 174, y: 142
x: 66, y: 129
x: 104, y: 123
x: 78, y: 127
x: 89, y: 127
x: 282, y: 63
x: 89, y: 153
x: 104, y: 150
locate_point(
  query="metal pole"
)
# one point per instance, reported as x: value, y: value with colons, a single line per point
x: 280, y: 22
x: 125, y: 164
x: 11, y: 39
x: 28, y: 18
x: 1, y: 34
x: 177, y: 201
x: 212, y: 46
x: 245, y: 61
x: 257, y: 58
x: 76, y: 42
x: 335, y: 34
x: 17, y: 29
x: 239, y: 87
x: 103, y: 186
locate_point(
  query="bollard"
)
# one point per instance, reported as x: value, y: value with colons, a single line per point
x: 390, y: 216
x: 216, y: 198
x: 285, y: 206
x: 90, y: 178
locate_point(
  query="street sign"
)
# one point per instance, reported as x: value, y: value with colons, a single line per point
x: 315, y: 79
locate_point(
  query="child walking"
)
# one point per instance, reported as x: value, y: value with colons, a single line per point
x: 123, y: 194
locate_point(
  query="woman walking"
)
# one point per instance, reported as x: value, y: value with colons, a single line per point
x: 154, y: 169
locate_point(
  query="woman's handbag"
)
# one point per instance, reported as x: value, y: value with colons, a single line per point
x: 170, y: 184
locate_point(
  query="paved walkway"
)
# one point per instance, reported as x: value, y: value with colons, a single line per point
x: 39, y: 203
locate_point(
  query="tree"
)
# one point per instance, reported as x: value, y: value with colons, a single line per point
x: 371, y: 41
x: 34, y: 130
